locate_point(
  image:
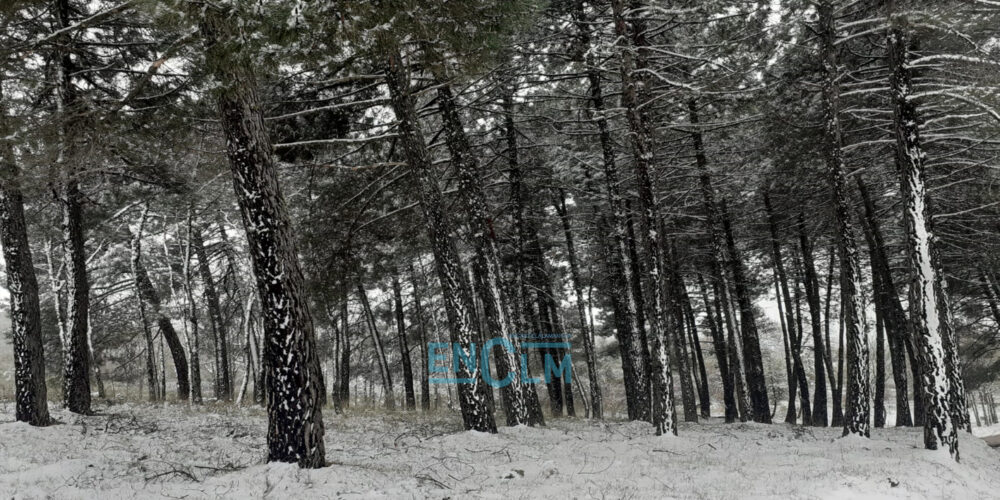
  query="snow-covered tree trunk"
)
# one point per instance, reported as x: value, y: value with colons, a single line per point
x: 30, y: 392
x: 76, y: 358
x: 404, y: 346
x: 223, y: 385
x: 663, y: 415
x: 858, y: 417
x: 476, y: 414
x: 523, y: 316
x: 495, y: 304
x: 294, y: 381
x: 939, y: 428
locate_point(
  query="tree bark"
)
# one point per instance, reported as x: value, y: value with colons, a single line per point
x: 754, y: 364
x: 663, y: 413
x: 939, y: 428
x: 30, y: 391
x: 887, y: 306
x: 418, y: 319
x: 224, y: 385
x: 404, y: 347
x: 495, y: 304
x: 472, y: 398
x: 294, y: 382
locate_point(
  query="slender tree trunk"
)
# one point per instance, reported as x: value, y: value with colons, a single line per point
x: 404, y: 346
x: 151, y: 300
x: 717, y: 250
x: 757, y: 386
x: 418, y: 319
x: 380, y: 357
x: 798, y: 376
x: 704, y: 401
x: 821, y: 357
x: 721, y: 354
x: 224, y: 383
x: 939, y: 427
x: 475, y: 412
x: 192, y: 314
x: 344, y: 389
x: 879, y: 372
x: 663, y: 414
x: 30, y: 391
x: 585, y: 333
x: 495, y: 304
x: 858, y: 389
x: 887, y: 306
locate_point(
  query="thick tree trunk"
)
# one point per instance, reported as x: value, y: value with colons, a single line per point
x: 663, y: 414
x: 294, y: 382
x: 472, y: 389
x: 30, y: 392
x: 223, y: 385
x: 76, y: 357
x: 939, y: 427
x: 404, y: 346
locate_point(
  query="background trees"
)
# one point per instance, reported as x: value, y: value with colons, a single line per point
x: 691, y: 188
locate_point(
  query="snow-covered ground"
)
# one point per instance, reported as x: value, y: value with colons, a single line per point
x: 173, y: 451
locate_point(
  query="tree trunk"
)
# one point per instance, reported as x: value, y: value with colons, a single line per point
x: 757, y: 386
x: 404, y: 347
x: 663, y: 414
x: 887, y: 306
x: 151, y: 306
x: 380, y: 357
x: 939, y: 428
x: 821, y: 358
x: 879, y: 372
x: 472, y: 398
x: 496, y: 308
x: 418, y: 319
x: 795, y: 334
x: 344, y: 389
x: 704, y: 401
x: 294, y: 381
x: 717, y: 250
x: 30, y: 391
x: 192, y: 314
x: 596, y: 400
x: 224, y: 386
x: 858, y: 389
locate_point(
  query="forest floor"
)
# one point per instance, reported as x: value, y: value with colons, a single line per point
x: 175, y: 451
